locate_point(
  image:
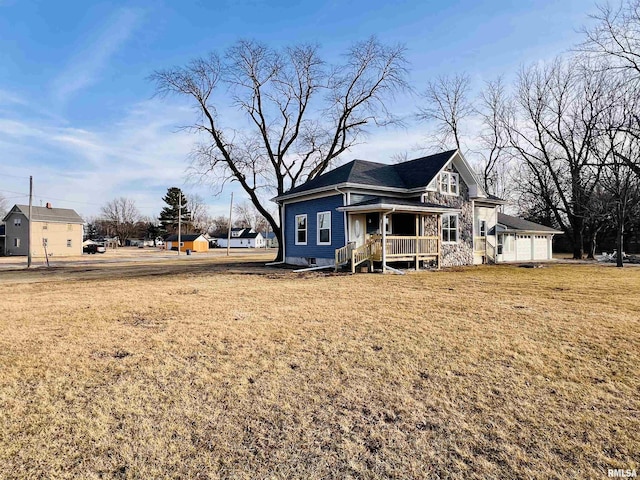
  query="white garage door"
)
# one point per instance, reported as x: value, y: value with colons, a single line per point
x: 540, y: 250
x: 523, y: 247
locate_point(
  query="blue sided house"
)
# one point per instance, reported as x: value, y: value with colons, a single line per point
x: 428, y: 211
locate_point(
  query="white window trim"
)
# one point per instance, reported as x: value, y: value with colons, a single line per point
x: 318, y: 242
x: 480, y: 232
x: 17, y: 222
x: 450, y: 176
x: 306, y: 229
x: 448, y: 242
x: 69, y: 243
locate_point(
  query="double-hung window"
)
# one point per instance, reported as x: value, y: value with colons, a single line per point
x: 449, y: 183
x: 301, y: 229
x: 324, y: 228
x: 483, y: 228
x: 450, y: 228
x: 17, y: 222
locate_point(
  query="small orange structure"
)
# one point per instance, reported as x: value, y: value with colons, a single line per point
x: 194, y: 242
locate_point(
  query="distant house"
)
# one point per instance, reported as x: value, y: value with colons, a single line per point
x: 54, y: 231
x: 243, y: 238
x: 271, y: 240
x: 1, y: 239
x: 194, y: 242
x: 431, y: 210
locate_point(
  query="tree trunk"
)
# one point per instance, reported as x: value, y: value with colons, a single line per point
x: 277, y: 229
x: 578, y: 249
x: 619, y: 244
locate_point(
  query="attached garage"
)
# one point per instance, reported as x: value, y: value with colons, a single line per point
x: 520, y: 240
x: 541, y: 244
x: 523, y: 247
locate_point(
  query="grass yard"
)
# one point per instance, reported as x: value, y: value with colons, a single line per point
x: 203, y: 369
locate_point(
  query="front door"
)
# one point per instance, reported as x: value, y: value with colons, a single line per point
x: 357, y: 229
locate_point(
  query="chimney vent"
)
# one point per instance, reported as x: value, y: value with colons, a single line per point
x: 49, y: 205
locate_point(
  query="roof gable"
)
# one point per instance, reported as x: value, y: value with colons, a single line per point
x: 413, y: 174
x: 189, y: 237
x: 45, y: 214
x: 517, y: 223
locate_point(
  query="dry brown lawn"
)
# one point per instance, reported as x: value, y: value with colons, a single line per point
x: 207, y: 369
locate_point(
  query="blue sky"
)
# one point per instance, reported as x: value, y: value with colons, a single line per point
x: 77, y: 110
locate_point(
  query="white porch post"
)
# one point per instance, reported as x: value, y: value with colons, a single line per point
x: 439, y: 235
x: 417, y: 242
x: 384, y: 243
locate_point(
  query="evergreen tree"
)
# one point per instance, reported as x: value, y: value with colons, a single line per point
x: 169, y: 215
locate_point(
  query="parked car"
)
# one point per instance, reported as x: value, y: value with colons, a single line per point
x: 93, y: 248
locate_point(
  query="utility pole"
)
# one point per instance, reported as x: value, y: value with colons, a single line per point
x: 30, y: 221
x: 179, y: 222
x: 229, y: 231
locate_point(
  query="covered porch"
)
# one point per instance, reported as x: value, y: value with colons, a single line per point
x: 385, y: 230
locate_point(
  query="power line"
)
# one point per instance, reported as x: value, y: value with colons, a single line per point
x: 21, y: 177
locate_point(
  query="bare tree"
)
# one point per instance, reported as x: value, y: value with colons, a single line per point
x: 219, y: 226
x: 551, y: 130
x: 614, y: 42
x: 615, y: 37
x: 122, y: 216
x: 247, y: 215
x: 493, y: 138
x: 4, y: 207
x: 200, y: 219
x: 619, y: 154
x: 448, y: 105
x: 303, y: 112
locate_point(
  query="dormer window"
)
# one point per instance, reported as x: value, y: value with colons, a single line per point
x: 449, y: 183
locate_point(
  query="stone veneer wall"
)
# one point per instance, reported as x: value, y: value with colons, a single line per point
x: 460, y: 253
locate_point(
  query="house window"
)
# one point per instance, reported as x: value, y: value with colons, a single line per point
x: 16, y: 242
x: 17, y: 222
x: 69, y: 226
x: 449, y: 183
x: 45, y: 242
x: 483, y: 228
x: 301, y: 229
x: 182, y: 244
x: 45, y: 226
x: 68, y: 242
x: 324, y: 228
x: 450, y: 228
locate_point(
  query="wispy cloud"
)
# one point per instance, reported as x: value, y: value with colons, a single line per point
x: 85, y: 68
x: 82, y: 168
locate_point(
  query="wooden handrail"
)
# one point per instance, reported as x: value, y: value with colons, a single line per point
x: 480, y: 244
x: 343, y: 254
x: 397, y: 247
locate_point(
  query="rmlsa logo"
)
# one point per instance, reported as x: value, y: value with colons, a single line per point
x: 621, y: 473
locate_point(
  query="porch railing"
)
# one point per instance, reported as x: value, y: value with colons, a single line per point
x: 398, y: 246
x: 343, y: 254
x: 480, y: 244
x: 360, y: 254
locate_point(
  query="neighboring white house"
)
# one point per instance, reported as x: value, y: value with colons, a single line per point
x: 243, y: 238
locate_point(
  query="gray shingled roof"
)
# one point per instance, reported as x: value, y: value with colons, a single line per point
x: 189, y: 237
x: 409, y: 202
x: 517, y: 223
x: 44, y: 214
x: 412, y: 174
